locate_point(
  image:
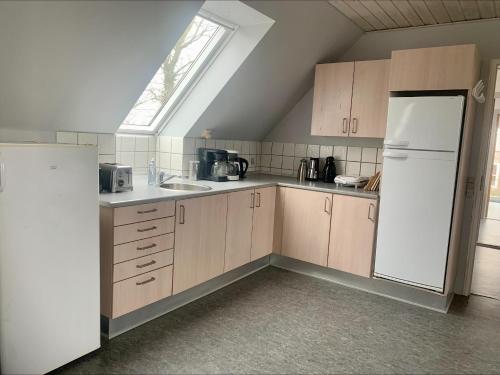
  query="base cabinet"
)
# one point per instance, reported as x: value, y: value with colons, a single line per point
x: 263, y: 222
x: 306, y: 225
x: 352, y: 234
x: 200, y: 238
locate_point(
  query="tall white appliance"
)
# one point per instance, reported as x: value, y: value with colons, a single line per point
x: 421, y: 152
x: 49, y: 256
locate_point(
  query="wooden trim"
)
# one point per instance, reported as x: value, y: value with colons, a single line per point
x: 106, y: 260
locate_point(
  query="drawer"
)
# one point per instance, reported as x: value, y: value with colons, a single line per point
x: 146, y: 229
x: 139, y: 291
x: 142, y: 265
x: 143, y: 212
x: 141, y: 248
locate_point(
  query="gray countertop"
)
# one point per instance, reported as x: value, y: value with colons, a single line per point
x: 144, y: 193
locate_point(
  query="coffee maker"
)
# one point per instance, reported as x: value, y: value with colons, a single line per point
x: 214, y: 164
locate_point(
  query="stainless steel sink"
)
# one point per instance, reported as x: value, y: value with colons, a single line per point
x: 186, y: 187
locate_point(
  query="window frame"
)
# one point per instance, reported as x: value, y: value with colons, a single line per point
x: 180, y: 94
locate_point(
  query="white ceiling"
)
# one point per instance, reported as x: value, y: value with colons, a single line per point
x: 373, y: 15
x: 280, y: 70
x: 81, y: 65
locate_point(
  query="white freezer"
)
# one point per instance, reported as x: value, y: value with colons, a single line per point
x: 424, y: 123
x: 49, y: 256
x: 416, y: 204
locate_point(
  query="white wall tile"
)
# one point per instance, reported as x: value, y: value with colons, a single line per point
x: 127, y: 158
x: 367, y: 169
x: 106, y: 144
x: 325, y: 151
x: 220, y: 144
x: 237, y: 146
x: 127, y: 142
x: 164, y: 160
x: 107, y: 158
x: 340, y: 167
x: 245, y: 147
x: 276, y: 171
x: 277, y: 148
x: 354, y: 153
x: 177, y: 143
x: 369, y: 155
x: 313, y: 151
x: 276, y: 161
x: 259, y: 147
x: 140, y: 171
x: 265, y: 169
x: 67, y: 138
x: 287, y: 162
x: 141, y: 159
x: 352, y: 168
x: 165, y: 144
x: 87, y: 139
x: 188, y: 146
x: 199, y: 143
x: 141, y: 143
x: 266, y: 148
x: 210, y: 143
x: 288, y: 149
x: 287, y: 172
x: 378, y: 167
x: 265, y: 160
x: 152, y: 143
x: 380, y: 156
x: 296, y: 163
x: 176, y: 161
x: 300, y: 150
x: 340, y: 152
x: 253, y: 148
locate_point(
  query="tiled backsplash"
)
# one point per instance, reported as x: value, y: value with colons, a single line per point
x: 284, y: 158
x: 172, y: 154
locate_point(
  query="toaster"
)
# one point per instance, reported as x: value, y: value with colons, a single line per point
x: 115, y: 177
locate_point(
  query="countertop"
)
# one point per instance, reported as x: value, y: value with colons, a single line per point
x: 144, y: 193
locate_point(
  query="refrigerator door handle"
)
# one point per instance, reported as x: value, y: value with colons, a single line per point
x: 396, y: 143
x: 395, y: 155
x: 2, y: 174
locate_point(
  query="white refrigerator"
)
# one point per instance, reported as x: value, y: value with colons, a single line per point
x: 421, y: 151
x: 49, y: 256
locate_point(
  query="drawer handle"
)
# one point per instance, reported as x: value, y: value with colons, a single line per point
x: 145, y: 281
x: 147, y: 211
x: 258, y: 200
x: 146, y: 247
x: 146, y: 229
x: 370, y: 217
x: 146, y: 264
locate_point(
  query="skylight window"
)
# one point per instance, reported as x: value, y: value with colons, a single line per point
x: 183, y: 66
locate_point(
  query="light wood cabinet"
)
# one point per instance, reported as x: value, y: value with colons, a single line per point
x: 435, y: 68
x: 370, y: 99
x: 240, y: 210
x: 200, y: 238
x: 263, y: 222
x: 278, y: 219
x: 352, y: 234
x: 306, y: 225
x: 332, y: 99
x: 350, y: 99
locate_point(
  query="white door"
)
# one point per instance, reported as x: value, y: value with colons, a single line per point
x: 49, y: 256
x: 416, y: 204
x: 424, y: 123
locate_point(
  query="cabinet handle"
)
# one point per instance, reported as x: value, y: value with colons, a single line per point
x: 146, y: 229
x: 146, y: 247
x: 370, y: 212
x: 354, y: 125
x: 2, y: 174
x: 252, y: 200
x: 258, y: 199
x: 327, y: 206
x: 147, y: 211
x: 344, y: 125
x: 182, y: 213
x: 145, y: 281
x: 146, y: 264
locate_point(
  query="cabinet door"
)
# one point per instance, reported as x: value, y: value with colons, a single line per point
x: 263, y: 222
x: 306, y: 225
x: 332, y: 99
x: 352, y: 234
x: 278, y: 219
x: 239, y: 228
x: 370, y: 96
x: 200, y: 234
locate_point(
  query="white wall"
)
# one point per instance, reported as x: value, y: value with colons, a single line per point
x: 81, y: 65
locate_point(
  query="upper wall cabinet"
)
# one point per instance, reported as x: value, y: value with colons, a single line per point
x: 350, y: 99
x: 436, y: 68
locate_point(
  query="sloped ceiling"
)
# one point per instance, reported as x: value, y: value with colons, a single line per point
x: 280, y: 70
x: 81, y: 65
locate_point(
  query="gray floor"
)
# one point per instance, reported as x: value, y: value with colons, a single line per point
x: 277, y: 321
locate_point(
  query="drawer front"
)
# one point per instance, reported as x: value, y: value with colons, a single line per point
x: 139, y: 291
x: 142, y: 265
x: 136, y: 249
x: 139, y: 231
x: 143, y: 212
